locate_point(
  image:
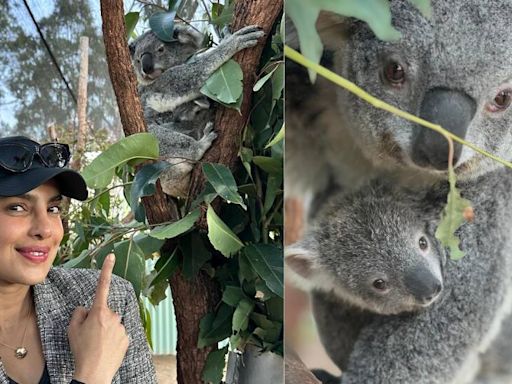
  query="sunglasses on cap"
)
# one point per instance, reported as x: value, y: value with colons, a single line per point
x: 17, y: 157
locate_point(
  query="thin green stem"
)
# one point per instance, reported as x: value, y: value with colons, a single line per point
x: 351, y: 87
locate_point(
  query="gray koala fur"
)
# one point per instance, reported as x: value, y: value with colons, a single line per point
x: 445, y: 343
x: 170, y: 75
x: 460, y: 50
x: 374, y: 249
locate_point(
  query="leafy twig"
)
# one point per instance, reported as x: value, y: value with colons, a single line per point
x: 337, y: 79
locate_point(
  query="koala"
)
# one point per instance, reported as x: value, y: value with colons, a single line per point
x: 450, y: 340
x: 170, y: 76
x: 443, y: 69
x: 374, y: 250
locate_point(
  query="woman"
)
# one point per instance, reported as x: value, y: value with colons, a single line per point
x: 46, y: 332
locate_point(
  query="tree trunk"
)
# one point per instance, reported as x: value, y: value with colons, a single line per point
x: 229, y: 123
x: 192, y: 299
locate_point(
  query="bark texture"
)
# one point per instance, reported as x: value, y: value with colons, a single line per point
x: 192, y: 299
x: 229, y: 124
x: 296, y: 372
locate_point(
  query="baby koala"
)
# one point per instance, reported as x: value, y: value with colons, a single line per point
x: 374, y: 249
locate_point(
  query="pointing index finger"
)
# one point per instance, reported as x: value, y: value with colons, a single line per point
x: 100, y: 298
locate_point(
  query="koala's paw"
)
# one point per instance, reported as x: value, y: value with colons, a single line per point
x: 208, y: 136
x: 246, y: 37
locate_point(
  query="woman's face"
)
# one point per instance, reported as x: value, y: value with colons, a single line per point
x: 30, y: 234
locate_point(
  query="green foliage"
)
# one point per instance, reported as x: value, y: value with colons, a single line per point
x: 142, y: 146
x: 130, y: 21
x: 214, y: 366
x: 222, y: 180
x: 267, y: 261
x: 177, y: 228
x: 162, y: 24
x: 452, y: 218
x: 241, y: 249
x: 304, y: 14
x: 221, y: 236
x: 225, y: 85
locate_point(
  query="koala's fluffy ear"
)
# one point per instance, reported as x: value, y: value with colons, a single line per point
x: 300, y: 258
x: 186, y: 35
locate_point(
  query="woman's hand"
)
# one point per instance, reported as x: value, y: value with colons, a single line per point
x: 97, y: 338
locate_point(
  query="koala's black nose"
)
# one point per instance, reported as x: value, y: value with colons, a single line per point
x: 453, y: 110
x: 147, y: 63
x: 422, y: 284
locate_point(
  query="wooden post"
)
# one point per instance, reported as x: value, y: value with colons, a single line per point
x: 81, y: 136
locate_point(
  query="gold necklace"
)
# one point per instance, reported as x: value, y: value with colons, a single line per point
x: 20, y: 352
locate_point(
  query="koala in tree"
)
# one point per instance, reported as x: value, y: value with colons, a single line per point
x: 170, y: 75
x: 453, y: 69
x: 373, y: 250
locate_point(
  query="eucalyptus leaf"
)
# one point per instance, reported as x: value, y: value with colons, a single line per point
x: 222, y: 180
x: 130, y: 21
x: 269, y: 164
x: 267, y: 261
x: 226, y: 14
x: 225, y: 84
x: 130, y: 263
x: 100, y: 172
x: 165, y: 267
x: 274, y: 183
x: 222, y: 238
x: 241, y: 315
x: 263, y: 80
x: 162, y: 24
x: 194, y: 253
x: 277, y: 138
x: 144, y: 184
x: 232, y: 295
x: 177, y: 228
x: 148, y: 244
x: 215, y: 327
x: 157, y: 292
x: 82, y: 261
x: 277, y: 85
x: 214, y: 366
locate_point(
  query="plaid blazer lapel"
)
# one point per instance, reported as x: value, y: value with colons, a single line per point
x: 53, y: 315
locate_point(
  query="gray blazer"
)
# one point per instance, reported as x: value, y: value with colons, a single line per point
x: 55, y: 300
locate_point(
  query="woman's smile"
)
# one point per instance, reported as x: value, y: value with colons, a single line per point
x: 30, y: 234
x: 34, y: 254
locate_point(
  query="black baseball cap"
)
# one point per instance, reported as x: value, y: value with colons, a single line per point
x: 69, y: 182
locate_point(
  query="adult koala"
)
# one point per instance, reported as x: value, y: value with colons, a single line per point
x: 452, y: 69
x: 170, y: 76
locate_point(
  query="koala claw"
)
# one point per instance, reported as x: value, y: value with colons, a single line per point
x: 209, y: 135
x: 246, y: 37
x: 208, y: 128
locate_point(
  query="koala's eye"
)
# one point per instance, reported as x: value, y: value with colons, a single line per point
x: 423, y: 243
x: 501, y: 102
x: 394, y: 73
x: 160, y: 49
x: 380, y: 285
